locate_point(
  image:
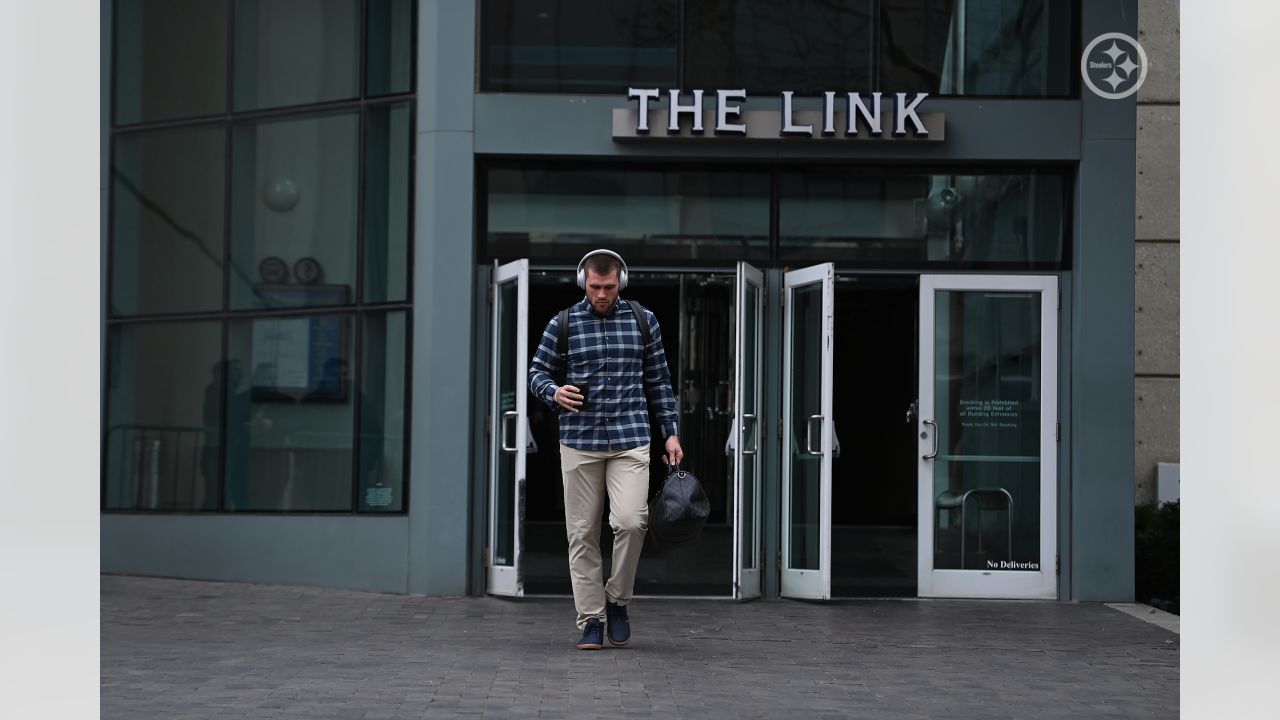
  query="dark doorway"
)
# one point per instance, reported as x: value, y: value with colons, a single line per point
x: 873, y: 480
x: 695, y: 315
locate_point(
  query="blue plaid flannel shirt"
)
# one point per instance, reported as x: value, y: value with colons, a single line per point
x: 606, y: 351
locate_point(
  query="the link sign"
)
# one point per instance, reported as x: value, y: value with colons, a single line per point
x: 851, y: 116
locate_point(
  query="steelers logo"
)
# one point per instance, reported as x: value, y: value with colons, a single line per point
x: 1113, y: 66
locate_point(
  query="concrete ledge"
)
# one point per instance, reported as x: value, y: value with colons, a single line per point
x: 1146, y: 613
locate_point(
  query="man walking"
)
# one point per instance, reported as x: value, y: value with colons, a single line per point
x: 609, y: 380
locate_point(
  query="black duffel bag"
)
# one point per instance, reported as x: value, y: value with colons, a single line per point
x: 678, y: 511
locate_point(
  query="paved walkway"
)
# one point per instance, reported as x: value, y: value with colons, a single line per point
x: 183, y: 649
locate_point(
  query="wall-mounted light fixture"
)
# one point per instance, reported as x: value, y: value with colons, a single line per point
x: 280, y: 193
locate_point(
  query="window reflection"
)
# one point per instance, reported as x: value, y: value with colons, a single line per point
x: 289, y: 414
x: 382, y: 412
x: 1001, y: 48
x: 167, y: 221
x: 292, y: 52
x: 164, y: 403
x: 767, y: 46
x: 578, y: 45
x: 538, y: 211
x: 856, y: 215
x: 170, y: 59
x: 294, y: 200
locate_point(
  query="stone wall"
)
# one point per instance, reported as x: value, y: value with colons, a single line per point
x: 1156, y: 361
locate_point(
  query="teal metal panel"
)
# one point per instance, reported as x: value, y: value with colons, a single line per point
x: 1102, y: 351
x: 347, y: 551
x: 444, y: 368
x: 446, y: 64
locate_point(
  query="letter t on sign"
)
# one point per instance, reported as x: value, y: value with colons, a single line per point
x: 642, y: 117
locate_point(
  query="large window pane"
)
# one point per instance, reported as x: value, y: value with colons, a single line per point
x: 986, y: 479
x: 382, y: 413
x: 768, y: 46
x: 167, y: 221
x: 806, y: 402
x: 595, y: 46
x: 990, y: 47
x: 389, y: 47
x: 291, y: 52
x: 290, y: 414
x: 388, y: 141
x: 170, y: 59
x: 1011, y: 48
x: 164, y: 404
x: 868, y: 217
x: 542, y: 212
x: 294, y: 198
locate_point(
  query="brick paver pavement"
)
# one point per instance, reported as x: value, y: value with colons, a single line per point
x: 187, y: 649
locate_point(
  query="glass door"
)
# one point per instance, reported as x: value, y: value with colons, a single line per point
x: 508, y: 428
x: 809, y: 308
x: 988, y: 436
x: 749, y: 339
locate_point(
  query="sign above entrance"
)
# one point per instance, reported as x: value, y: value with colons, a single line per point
x: 847, y: 116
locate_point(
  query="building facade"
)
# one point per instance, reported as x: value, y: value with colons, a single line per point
x: 891, y: 244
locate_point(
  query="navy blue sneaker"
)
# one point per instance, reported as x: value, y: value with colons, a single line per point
x: 619, y: 624
x: 592, y: 636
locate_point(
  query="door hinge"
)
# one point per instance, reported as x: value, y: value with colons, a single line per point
x: 1057, y: 432
x: 488, y: 424
x: 487, y: 561
x: 779, y: 428
x: 1057, y: 564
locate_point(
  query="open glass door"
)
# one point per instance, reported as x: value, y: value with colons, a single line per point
x: 987, y: 427
x: 749, y: 338
x: 806, y: 432
x: 508, y: 436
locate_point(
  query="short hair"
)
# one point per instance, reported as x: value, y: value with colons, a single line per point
x: 603, y: 264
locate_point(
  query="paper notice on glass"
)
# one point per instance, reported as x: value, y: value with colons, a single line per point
x: 281, y: 353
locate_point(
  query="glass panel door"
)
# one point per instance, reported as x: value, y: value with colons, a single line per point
x: 508, y: 428
x: 806, y: 432
x: 987, y: 427
x: 749, y: 339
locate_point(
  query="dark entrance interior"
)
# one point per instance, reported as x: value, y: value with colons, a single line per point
x: 695, y: 314
x: 873, y: 481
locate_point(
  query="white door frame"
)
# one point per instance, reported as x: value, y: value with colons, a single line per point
x: 508, y: 578
x: 1042, y: 583
x: 749, y: 292
x: 808, y: 583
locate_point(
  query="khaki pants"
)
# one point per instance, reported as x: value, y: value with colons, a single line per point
x: 587, y: 476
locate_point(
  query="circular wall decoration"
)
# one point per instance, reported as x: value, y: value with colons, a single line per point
x: 273, y: 270
x: 307, y: 271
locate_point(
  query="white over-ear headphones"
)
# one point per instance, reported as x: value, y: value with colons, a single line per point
x: 582, y: 268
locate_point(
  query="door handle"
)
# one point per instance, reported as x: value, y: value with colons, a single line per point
x: 508, y: 415
x: 808, y: 435
x: 743, y: 433
x: 933, y: 454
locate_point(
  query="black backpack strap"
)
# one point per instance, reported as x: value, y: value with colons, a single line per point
x: 645, y: 333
